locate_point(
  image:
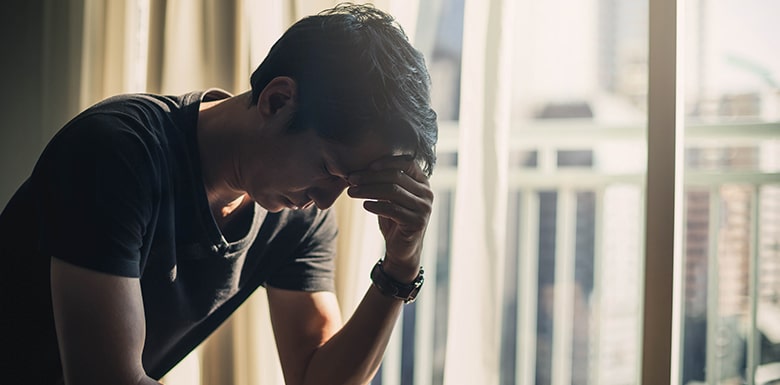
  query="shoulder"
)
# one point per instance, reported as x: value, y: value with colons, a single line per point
x: 121, y: 124
x: 303, y: 250
x: 129, y: 102
x: 117, y: 114
x: 308, y: 222
x: 123, y: 141
x: 294, y: 232
x: 142, y: 112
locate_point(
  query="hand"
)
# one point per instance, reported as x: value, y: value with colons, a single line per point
x: 399, y: 193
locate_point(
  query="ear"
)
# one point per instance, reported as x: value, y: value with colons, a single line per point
x: 279, y: 94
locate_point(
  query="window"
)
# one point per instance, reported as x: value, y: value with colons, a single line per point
x: 572, y: 300
x: 575, y: 256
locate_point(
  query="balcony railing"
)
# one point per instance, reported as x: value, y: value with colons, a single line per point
x: 573, y: 306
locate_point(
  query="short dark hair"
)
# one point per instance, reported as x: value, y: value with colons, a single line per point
x: 356, y: 72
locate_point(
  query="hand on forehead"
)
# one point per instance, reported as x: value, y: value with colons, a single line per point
x: 372, y: 153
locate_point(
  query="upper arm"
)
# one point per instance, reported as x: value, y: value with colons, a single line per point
x: 100, y: 325
x: 97, y: 190
x: 302, y: 322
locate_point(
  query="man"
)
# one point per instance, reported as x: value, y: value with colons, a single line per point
x: 148, y: 219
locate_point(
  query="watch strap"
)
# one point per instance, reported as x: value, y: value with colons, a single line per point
x: 389, y: 287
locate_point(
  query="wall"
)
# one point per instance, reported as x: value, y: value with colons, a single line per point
x: 40, y: 76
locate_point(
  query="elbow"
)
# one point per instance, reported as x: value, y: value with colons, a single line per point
x: 335, y: 373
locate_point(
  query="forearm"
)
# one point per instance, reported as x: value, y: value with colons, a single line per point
x: 398, y: 192
x: 353, y: 355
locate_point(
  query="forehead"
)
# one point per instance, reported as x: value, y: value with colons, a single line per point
x: 344, y: 159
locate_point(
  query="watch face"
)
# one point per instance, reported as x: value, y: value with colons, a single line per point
x: 413, y: 295
x: 416, y: 290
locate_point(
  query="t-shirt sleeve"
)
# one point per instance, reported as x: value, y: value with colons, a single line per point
x: 312, y: 265
x: 95, y: 190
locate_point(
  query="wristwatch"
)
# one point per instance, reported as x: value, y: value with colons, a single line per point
x: 388, y: 286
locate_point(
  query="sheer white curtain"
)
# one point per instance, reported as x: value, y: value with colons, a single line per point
x: 479, y: 228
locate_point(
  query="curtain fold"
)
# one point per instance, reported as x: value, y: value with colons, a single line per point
x: 479, y: 221
x: 202, y: 43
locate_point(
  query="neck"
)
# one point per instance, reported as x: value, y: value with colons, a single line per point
x: 224, y: 211
x: 221, y: 124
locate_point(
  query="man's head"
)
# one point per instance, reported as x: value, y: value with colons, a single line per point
x: 356, y: 74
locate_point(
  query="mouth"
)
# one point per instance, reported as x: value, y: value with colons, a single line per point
x: 297, y: 206
x: 290, y: 204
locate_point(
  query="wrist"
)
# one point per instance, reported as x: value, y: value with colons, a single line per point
x: 401, y: 272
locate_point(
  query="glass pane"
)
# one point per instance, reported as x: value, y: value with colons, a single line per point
x: 577, y: 164
x: 768, y: 306
x: 440, y: 36
x: 732, y: 298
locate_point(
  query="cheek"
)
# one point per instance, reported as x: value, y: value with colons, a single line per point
x: 294, y: 179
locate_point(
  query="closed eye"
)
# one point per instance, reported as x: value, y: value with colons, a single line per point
x: 330, y: 174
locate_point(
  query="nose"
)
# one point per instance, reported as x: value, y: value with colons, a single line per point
x: 325, y: 195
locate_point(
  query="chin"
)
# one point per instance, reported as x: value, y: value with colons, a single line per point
x: 273, y: 208
x: 273, y: 205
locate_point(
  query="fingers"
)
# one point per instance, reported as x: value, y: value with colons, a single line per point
x: 388, y: 184
x: 411, y: 220
x: 405, y: 164
x: 397, y: 189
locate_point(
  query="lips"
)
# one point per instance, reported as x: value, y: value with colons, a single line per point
x: 296, y: 206
x: 290, y: 204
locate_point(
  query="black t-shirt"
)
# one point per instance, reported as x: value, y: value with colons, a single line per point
x: 119, y: 190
